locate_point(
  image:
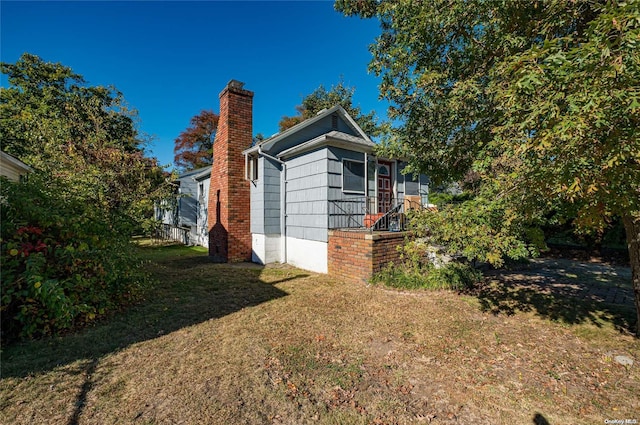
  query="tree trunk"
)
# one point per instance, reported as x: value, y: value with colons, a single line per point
x: 632, y: 229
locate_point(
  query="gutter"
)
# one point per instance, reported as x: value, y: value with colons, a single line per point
x: 283, y: 203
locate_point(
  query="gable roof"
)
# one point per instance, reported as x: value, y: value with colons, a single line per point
x: 203, y: 174
x: 333, y: 138
x: 196, y: 174
x: 269, y: 143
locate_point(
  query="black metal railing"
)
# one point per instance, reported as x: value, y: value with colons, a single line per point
x: 348, y: 213
x: 393, y: 220
x: 370, y: 213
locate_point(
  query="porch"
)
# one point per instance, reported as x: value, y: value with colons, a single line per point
x: 365, y: 233
x: 355, y: 255
x: 370, y: 213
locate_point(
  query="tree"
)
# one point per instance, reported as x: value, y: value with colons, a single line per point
x: 84, y: 136
x: 539, y: 98
x: 194, y: 146
x: 322, y: 98
x: 48, y: 102
x: 66, y: 233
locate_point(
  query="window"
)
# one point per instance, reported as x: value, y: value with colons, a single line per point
x: 412, y: 184
x: 384, y: 170
x: 252, y: 168
x: 352, y: 176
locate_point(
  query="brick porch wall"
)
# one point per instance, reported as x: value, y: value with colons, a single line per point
x: 356, y: 256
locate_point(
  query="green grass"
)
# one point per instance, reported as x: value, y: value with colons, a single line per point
x: 159, y: 251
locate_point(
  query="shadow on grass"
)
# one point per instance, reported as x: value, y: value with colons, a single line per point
x: 574, y: 294
x: 81, y: 398
x: 189, y: 289
x: 538, y: 419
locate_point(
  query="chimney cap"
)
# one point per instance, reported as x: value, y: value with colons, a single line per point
x: 235, y: 84
x: 237, y: 87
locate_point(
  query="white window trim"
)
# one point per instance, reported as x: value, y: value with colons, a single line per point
x: 359, y: 192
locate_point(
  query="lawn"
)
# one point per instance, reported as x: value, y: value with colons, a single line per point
x: 227, y: 344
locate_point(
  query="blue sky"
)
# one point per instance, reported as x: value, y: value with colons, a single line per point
x: 172, y: 59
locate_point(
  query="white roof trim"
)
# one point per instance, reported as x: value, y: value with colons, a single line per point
x: 252, y: 149
x: 203, y: 174
x: 194, y: 173
x: 333, y: 138
x: 15, y: 161
x: 266, y: 145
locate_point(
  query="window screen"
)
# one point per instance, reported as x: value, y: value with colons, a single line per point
x: 352, y: 176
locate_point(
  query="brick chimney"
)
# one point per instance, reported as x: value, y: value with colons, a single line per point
x: 229, y: 207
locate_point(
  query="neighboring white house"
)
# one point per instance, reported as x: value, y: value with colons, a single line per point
x: 12, y: 168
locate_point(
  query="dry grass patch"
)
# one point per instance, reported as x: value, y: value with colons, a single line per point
x: 218, y: 344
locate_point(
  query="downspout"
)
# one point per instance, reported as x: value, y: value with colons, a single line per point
x: 283, y: 204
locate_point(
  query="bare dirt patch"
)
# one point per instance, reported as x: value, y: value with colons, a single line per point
x: 223, y: 345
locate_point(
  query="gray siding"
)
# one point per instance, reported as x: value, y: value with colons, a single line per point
x: 344, y: 127
x: 265, y: 198
x: 188, y: 202
x: 307, y: 196
x: 399, y: 179
x: 257, y: 203
x: 189, y: 207
x: 323, y: 126
x: 349, y: 211
x: 402, y: 185
x: 424, y: 187
x: 271, y: 178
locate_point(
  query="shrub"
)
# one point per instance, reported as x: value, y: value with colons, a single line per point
x: 482, y: 229
x: 64, y: 263
x: 398, y: 276
x: 65, y: 250
x: 416, y: 270
x: 454, y: 276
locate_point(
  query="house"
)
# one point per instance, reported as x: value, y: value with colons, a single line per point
x: 283, y: 199
x: 12, y: 168
x: 315, y: 195
x: 319, y: 175
x: 184, y: 216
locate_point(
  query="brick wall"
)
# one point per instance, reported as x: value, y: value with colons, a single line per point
x: 355, y: 256
x: 229, y: 202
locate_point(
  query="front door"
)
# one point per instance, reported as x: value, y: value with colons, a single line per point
x: 385, y: 189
